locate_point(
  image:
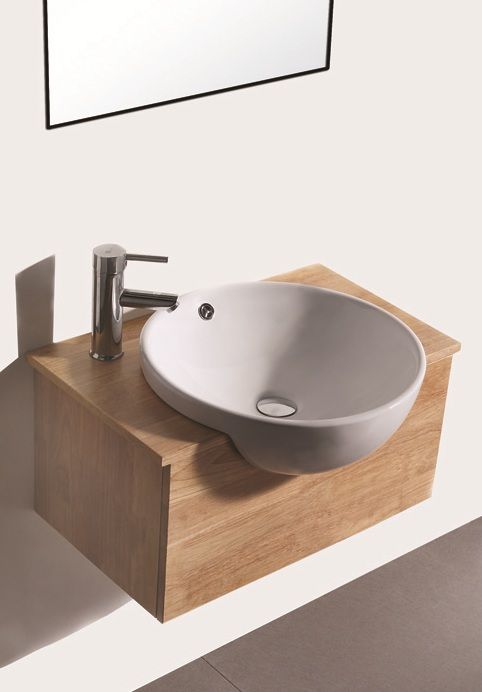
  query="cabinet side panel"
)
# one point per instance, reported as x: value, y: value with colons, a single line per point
x: 230, y: 524
x: 100, y: 491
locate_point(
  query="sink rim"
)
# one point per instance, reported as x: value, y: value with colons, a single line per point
x: 350, y: 419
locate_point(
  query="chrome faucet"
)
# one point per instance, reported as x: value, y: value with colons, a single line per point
x: 109, y: 297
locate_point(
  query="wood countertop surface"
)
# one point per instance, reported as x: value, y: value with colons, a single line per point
x: 118, y: 393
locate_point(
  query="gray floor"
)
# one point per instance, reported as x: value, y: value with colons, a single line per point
x: 412, y: 625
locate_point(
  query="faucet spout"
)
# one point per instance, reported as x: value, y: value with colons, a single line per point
x: 147, y: 299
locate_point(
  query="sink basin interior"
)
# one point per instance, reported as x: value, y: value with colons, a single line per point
x: 331, y: 355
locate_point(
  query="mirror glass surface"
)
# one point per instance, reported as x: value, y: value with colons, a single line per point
x: 109, y: 56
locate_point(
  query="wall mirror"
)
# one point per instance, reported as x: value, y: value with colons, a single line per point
x: 105, y: 57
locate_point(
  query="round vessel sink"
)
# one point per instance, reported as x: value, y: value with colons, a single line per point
x: 303, y: 379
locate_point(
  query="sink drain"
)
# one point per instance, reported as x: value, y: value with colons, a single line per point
x: 276, y: 407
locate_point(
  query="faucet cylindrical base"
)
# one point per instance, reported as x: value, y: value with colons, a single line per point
x: 106, y: 341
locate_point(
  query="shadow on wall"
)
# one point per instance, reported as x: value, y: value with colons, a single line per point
x: 47, y: 588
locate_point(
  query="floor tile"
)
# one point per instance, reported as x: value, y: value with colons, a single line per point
x: 198, y: 676
x: 412, y: 625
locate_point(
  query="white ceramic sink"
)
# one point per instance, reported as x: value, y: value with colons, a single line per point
x: 301, y: 378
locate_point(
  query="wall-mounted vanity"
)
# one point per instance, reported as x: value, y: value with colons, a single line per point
x: 170, y: 510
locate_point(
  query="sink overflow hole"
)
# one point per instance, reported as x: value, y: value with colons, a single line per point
x: 276, y: 407
x: 206, y: 311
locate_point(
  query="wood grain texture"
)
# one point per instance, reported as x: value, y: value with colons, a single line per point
x: 118, y: 394
x: 230, y: 524
x: 163, y: 538
x: 99, y: 491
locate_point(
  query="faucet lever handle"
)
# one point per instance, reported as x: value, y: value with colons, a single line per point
x: 146, y: 258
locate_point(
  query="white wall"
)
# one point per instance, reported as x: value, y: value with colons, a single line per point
x: 372, y: 169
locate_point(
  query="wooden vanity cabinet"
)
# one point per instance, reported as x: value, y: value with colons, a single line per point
x: 169, y: 510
